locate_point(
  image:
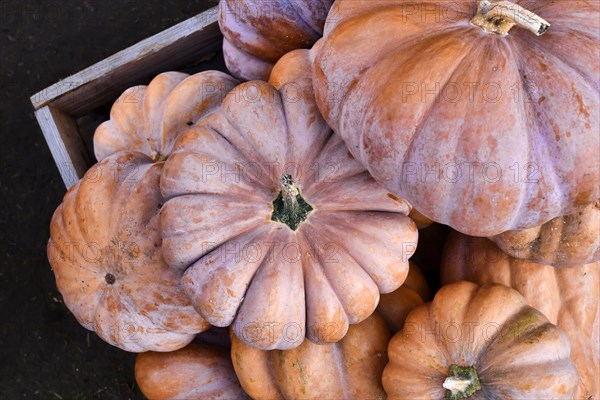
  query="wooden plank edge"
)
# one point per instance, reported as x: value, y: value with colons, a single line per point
x: 64, y: 141
x: 138, y: 51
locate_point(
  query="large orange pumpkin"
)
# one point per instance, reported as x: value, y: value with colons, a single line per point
x: 284, y: 233
x: 257, y: 32
x: 348, y: 369
x: 196, y: 372
x: 565, y: 241
x: 478, y: 127
x: 479, y: 343
x: 105, y: 251
x: 569, y: 297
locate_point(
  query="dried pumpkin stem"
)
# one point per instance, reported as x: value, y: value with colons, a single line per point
x: 500, y: 16
x: 290, y: 207
x: 462, y: 382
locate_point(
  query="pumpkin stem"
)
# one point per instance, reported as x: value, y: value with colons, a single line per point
x: 157, y: 157
x: 290, y: 207
x: 461, y: 382
x: 499, y: 16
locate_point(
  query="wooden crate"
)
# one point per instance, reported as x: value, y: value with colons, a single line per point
x: 59, y: 107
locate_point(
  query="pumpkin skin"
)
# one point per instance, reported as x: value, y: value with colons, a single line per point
x: 523, y: 357
x: 196, y: 372
x: 463, y: 123
x: 348, y: 369
x: 105, y: 251
x: 566, y: 241
x: 395, y: 306
x: 354, y: 244
x: 569, y: 297
x: 258, y: 33
x: 148, y: 119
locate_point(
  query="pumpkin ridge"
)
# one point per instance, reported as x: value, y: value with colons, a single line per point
x: 256, y: 153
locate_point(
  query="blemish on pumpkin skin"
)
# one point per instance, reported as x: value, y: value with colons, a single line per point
x: 582, y: 110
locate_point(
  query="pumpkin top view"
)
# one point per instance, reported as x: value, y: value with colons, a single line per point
x: 479, y: 343
x: 483, y: 114
x: 284, y: 233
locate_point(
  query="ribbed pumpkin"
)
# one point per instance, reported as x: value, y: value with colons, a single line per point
x: 105, y: 251
x: 566, y: 241
x: 395, y: 306
x: 104, y: 240
x: 257, y: 33
x: 479, y: 343
x: 478, y: 127
x: 148, y: 119
x: 284, y: 233
x: 196, y: 372
x: 349, y: 369
x: 569, y: 297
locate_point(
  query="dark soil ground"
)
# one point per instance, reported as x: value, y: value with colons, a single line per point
x: 44, y: 352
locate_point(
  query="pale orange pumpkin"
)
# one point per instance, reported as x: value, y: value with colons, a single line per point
x: 569, y: 297
x: 284, y: 233
x: 565, y: 241
x: 348, y: 369
x: 148, y: 119
x: 479, y: 343
x: 479, y: 126
x: 196, y: 372
x: 105, y: 251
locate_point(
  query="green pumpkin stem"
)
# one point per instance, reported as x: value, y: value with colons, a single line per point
x: 290, y: 207
x: 499, y: 16
x: 461, y: 382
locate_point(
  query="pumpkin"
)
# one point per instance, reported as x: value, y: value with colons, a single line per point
x: 105, y: 251
x: 395, y: 306
x: 348, y: 369
x: 479, y: 343
x: 196, y: 372
x: 565, y: 241
x: 478, y: 127
x: 569, y: 297
x: 257, y: 33
x: 148, y: 119
x: 284, y: 233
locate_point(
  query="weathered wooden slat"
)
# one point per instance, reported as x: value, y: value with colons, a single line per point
x: 186, y: 42
x: 62, y: 136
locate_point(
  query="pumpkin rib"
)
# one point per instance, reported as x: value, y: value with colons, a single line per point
x: 452, y: 193
x: 240, y: 136
x: 302, y: 237
x: 432, y: 106
x: 551, y: 148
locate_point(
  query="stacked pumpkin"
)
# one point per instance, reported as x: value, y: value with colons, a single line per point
x: 285, y: 210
